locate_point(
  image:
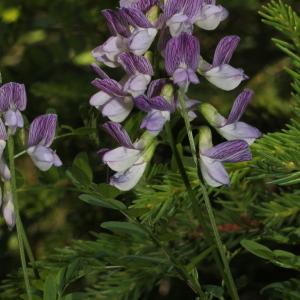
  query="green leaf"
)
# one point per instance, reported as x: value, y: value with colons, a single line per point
x: 99, y: 201
x: 125, y: 228
x: 257, y: 249
x: 50, y: 288
x: 81, y: 161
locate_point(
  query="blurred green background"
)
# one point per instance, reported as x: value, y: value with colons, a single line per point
x: 47, y: 44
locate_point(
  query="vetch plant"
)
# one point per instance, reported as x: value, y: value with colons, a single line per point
x: 13, y: 101
x: 159, y: 87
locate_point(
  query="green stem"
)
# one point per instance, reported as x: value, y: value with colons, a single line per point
x: 18, y: 218
x: 221, y: 248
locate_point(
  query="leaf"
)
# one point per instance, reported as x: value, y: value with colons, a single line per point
x: 257, y: 249
x: 81, y: 161
x: 98, y: 201
x: 50, y: 288
x: 125, y: 228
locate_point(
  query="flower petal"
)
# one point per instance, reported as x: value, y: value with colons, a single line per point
x: 109, y: 86
x: 135, y: 17
x: 225, y: 77
x: 160, y: 103
x: 211, y: 16
x: 136, y: 85
x: 8, y: 210
x: 121, y: 158
x: 116, y: 22
x: 117, y: 132
x: 99, y: 71
x: 213, y: 172
x: 141, y: 40
x: 155, y: 87
x: 143, y: 5
x: 12, y: 95
x: 142, y: 103
x: 241, y: 131
x: 100, y: 98
x: 127, y: 180
x: 239, y: 106
x: 232, y: 151
x: 42, y: 130
x: 182, y: 50
x: 135, y: 64
x: 155, y: 121
x: 3, y: 133
x: 43, y: 157
x: 117, y: 109
x: 225, y: 50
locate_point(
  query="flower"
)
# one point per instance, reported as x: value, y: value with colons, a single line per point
x: 220, y: 73
x: 139, y: 70
x: 179, y: 15
x: 213, y: 157
x: 131, y: 32
x: 156, y: 105
x: 111, y: 100
x: 13, y: 100
x: 8, y: 209
x: 182, y: 56
x: 231, y: 128
x: 41, y: 135
x: 129, y: 160
x: 109, y: 51
x: 210, y: 15
x: 142, y: 32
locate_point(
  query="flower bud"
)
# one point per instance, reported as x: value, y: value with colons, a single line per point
x: 153, y: 14
x: 168, y: 92
x: 205, y: 138
x: 211, y: 115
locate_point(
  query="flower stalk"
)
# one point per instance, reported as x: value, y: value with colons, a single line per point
x: 19, y: 226
x: 221, y: 248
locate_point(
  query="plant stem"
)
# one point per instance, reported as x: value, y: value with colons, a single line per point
x: 18, y: 218
x: 221, y: 248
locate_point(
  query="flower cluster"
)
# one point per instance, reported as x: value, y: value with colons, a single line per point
x: 13, y: 101
x: 134, y: 27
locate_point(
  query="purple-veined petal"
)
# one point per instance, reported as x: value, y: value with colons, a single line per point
x: 213, y: 172
x: 210, y: 16
x: 232, y: 151
x: 99, y: 99
x: 190, y: 8
x: 142, y: 103
x: 143, y: 5
x: 182, y: 52
x: 116, y: 22
x: 160, y: 103
x: 135, y: 64
x: 225, y: 77
x: 99, y: 71
x: 42, y: 130
x: 127, y: 180
x: 117, y: 109
x: 155, y: 87
x: 135, y: 18
x: 241, y: 131
x: 239, y: 106
x: 121, y: 158
x: 163, y: 40
x: 155, y: 120
x: 136, y: 85
x: 141, y: 40
x: 118, y: 133
x: 43, y: 157
x: 12, y: 95
x: 8, y: 210
x: 109, y: 86
x: 225, y: 50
